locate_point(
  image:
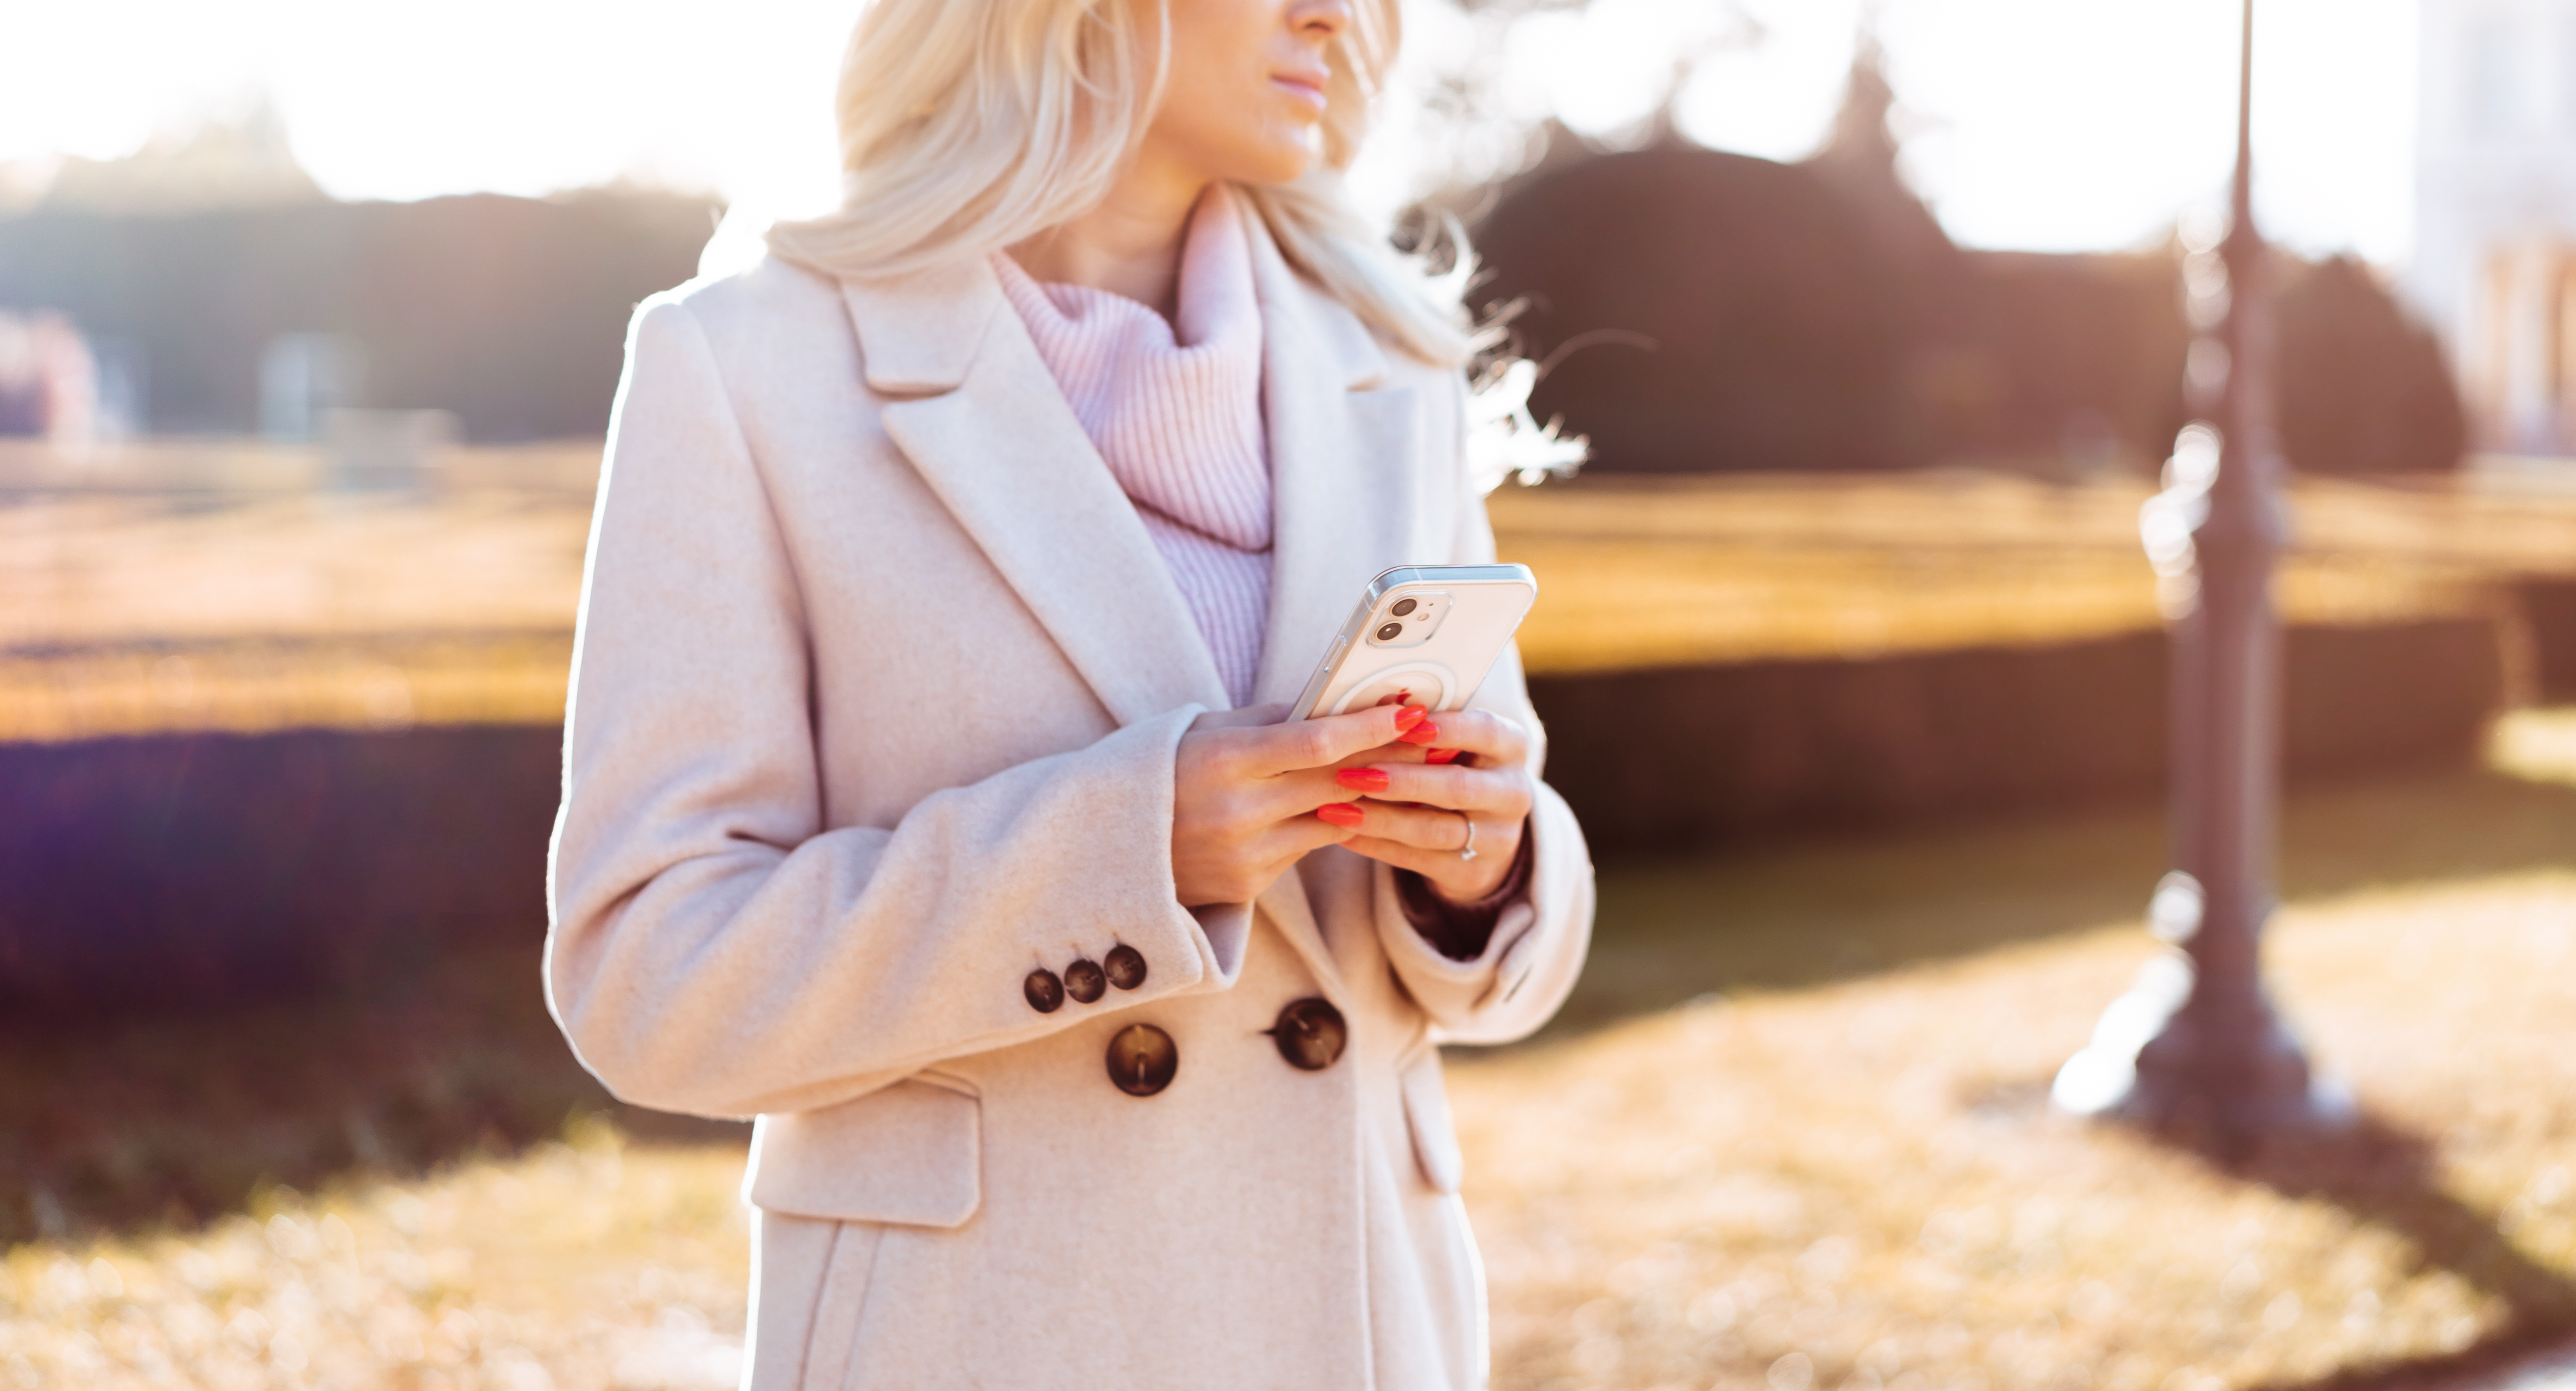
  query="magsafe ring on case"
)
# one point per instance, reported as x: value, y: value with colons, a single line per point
x: 1426, y: 684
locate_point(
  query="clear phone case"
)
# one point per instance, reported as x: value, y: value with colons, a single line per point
x: 1427, y: 633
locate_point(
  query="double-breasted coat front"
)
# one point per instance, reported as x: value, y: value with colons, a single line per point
x: 875, y: 707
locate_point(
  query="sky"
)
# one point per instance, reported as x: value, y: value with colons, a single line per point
x: 2051, y: 125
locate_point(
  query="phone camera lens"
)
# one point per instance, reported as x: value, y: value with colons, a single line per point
x: 1390, y: 632
x: 1402, y: 607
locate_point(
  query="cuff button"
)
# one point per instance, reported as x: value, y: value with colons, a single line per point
x: 1126, y: 967
x: 1084, y: 981
x: 1045, y: 993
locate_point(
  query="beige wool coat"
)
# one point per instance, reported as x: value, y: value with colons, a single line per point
x: 875, y: 707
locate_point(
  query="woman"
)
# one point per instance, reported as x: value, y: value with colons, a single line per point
x: 926, y: 790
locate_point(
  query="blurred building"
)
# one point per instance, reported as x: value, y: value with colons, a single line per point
x: 48, y: 380
x: 303, y: 376
x: 2495, y: 261
x: 220, y: 292
x: 509, y: 312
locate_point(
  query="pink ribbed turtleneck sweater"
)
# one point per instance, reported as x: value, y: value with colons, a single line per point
x: 1177, y: 417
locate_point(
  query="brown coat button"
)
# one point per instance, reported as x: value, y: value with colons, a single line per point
x: 1142, y: 1059
x: 1310, y: 1034
x: 1045, y: 992
x: 1083, y: 981
x: 1126, y: 967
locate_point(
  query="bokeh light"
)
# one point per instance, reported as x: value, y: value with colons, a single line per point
x: 2037, y: 124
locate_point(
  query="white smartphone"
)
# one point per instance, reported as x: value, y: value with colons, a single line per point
x: 1428, y: 633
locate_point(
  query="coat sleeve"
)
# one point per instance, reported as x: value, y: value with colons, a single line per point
x: 1530, y: 963
x: 712, y: 947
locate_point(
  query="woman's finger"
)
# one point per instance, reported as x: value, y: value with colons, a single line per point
x: 1458, y: 880
x: 1493, y: 739
x: 1298, y: 793
x: 1429, y: 863
x: 1242, y: 869
x: 1318, y: 743
x: 1493, y: 792
x: 1471, y: 738
x: 1386, y: 777
x: 1281, y: 844
x: 1502, y: 793
x: 1424, y: 828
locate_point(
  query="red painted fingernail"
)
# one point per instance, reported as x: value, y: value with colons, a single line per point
x: 1340, y: 814
x: 1410, y: 716
x: 1362, y: 779
x: 1441, y: 755
x: 1422, y: 733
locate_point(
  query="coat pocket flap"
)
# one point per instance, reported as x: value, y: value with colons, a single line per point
x: 910, y: 1154
x: 1426, y: 1114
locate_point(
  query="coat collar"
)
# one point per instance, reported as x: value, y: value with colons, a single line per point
x: 918, y: 335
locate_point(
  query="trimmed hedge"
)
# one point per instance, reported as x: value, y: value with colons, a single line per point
x: 212, y: 869
x: 2548, y: 611
x: 205, y: 870
x: 1668, y: 761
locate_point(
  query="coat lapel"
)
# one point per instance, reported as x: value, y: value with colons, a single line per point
x: 1345, y: 482
x: 1344, y: 498
x: 987, y: 427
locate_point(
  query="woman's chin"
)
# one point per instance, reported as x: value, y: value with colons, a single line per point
x: 1279, y: 162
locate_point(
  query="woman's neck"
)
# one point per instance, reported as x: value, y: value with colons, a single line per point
x: 1129, y: 245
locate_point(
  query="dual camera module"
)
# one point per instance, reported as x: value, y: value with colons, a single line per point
x: 1421, y: 610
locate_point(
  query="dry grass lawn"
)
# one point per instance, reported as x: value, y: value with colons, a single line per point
x: 1862, y: 1185
x: 1638, y: 572
x: 1790, y: 1135
x: 249, y: 600
x: 578, y: 1264
x: 176, y: 586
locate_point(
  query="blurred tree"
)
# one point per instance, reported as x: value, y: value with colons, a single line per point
x: 2087, y: 354
x: 2061, y: 364
x: 2363, y: 389
x: 243, y: 160
x: 1859, y: 161
x: 1703, y: 311
x: 1700, y: 311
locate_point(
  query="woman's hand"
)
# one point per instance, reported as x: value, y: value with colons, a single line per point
x: 1466, y: 766
x: 1246, y: 789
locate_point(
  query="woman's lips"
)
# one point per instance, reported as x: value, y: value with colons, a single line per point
x: 1309, y: 88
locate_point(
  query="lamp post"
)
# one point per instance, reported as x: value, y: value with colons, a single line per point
x: 2196, y: 1041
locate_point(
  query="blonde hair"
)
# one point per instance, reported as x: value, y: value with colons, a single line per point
x: 967, y: 127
